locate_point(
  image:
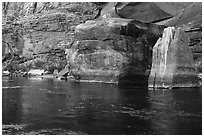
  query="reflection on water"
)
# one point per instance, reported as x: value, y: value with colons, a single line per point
x: 96, y: 108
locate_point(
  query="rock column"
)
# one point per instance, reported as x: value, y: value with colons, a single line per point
x: 173, y: 64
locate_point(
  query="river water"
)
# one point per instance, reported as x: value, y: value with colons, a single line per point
x: 48, y: 106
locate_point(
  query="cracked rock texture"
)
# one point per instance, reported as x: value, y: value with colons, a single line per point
x: 35, y: 30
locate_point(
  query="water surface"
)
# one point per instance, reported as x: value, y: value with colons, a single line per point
x: 61, y: 107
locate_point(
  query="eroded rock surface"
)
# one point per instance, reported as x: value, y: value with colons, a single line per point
x: 39, y: 32
x: 173, y: 64
x: 142, y: 11
x: 111, y: 38
x: 112, y: 50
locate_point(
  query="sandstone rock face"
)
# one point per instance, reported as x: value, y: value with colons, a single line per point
x: 142, y: 11
x: 173, y: 64
x: 112, y: 50
x: 188, y: 16
x: 47, y: 31
x: 34, y: 31
x: 105, y: 29
x: 36, y: 34
x: 109, y: 10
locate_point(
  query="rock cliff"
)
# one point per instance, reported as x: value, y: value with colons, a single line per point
x: 39, y: 32
x: 187, y: 15
x: 93, y: 39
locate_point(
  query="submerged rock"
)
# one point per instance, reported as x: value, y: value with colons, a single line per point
x: 173, y: 64
x: 64, y: 72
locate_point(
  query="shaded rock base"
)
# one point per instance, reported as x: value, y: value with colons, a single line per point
x: 136, y: 80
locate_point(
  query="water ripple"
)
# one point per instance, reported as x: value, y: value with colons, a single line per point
x: 11, y: 87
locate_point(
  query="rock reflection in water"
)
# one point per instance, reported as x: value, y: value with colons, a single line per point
x: 174, y: 111
x: 96, y: 108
